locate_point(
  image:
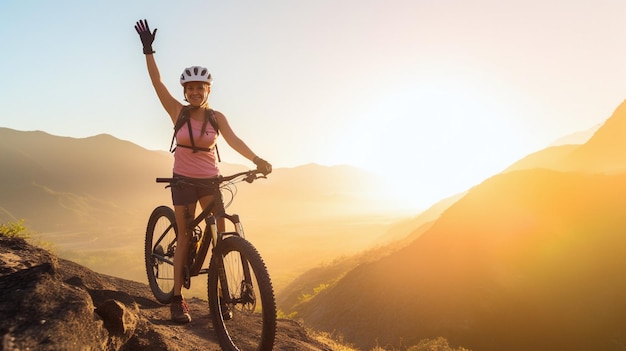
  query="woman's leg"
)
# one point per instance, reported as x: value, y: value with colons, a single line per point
x: 182, y: 247
x: 178, y: 308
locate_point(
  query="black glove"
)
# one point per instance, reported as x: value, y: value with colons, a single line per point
x: 262, y: 165
x: 146, y: 37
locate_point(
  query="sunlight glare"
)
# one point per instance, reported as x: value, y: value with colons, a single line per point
x: 433, y: 140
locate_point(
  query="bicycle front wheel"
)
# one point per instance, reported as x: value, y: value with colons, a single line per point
x: 241, y: 297
x: 159, y: 253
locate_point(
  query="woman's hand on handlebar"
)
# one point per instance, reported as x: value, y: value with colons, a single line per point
x: 262, y: 165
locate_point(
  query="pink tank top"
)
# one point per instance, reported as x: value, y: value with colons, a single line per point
x: 201, y: 164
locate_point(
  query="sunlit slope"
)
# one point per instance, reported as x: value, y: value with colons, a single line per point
x: 297, y: 294
x: 550, y: 158
x: 528, y: 260
x: 397, y: 236
x: 603, y: 152
x: 531, y: 259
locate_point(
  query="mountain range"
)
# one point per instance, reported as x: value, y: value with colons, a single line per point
x: 91, y: 197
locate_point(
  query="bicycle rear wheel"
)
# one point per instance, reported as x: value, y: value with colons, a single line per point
x: 239, y: 285
x: 159, y: 253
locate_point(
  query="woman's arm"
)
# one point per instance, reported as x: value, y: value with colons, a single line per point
x: 238, y: 145
x: 232, y: 139
x: 170, y: 104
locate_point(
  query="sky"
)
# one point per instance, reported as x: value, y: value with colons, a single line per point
x: 436, y: 96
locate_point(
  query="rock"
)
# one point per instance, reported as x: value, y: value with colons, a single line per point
x: 118, y: 320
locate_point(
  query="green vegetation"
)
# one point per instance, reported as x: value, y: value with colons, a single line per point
x: 338, y: 344
x: 331, y: 339
x: 316, y: 290
x: 438, y: 344
x: 281, y: 314
x: 19, y: 230
x: 15, y: 230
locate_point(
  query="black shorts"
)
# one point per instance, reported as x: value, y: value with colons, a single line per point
x: 186, y: 194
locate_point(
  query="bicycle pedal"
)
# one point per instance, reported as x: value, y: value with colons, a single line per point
x: 227, y: 313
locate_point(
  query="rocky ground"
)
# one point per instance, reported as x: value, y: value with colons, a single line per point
x: 47, y: 303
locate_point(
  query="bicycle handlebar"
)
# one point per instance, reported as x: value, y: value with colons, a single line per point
x: 250, y: 176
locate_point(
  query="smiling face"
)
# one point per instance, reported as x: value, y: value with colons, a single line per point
x: 197, y: 93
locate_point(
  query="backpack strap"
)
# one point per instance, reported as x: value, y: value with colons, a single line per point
x: 209, y: 115
x: 193, y: 144
x: 183, y: 117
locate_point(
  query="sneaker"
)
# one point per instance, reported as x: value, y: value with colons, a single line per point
x: 180, y: 310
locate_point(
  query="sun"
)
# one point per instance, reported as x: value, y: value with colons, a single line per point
x: 433, y: 139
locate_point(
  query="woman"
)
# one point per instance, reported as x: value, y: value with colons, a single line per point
x: 194, y: 156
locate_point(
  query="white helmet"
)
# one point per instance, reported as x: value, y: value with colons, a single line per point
x: 195, y: 74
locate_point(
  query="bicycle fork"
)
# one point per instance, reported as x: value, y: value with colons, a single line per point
x: 245, y: 294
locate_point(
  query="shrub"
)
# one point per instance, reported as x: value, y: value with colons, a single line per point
x: 438, y: 344
x: 19, y: 230
x: 15, y: 230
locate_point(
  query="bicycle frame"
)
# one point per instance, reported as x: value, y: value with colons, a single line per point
x: 216, y: 237
x: 211, y: 235
x: 199, y: 252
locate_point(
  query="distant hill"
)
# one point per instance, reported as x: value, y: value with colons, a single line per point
x: 576, y: 138
x: 550, y: 158
x: 111, y: 174
x: 603, y: 151
x: 92, y: 197
x: 401, y: 234
x: 530, y: 259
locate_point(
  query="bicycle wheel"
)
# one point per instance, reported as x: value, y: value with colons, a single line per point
x: 159, y: 253
x: 239, y: 285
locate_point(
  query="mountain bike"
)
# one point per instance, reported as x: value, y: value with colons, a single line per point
x: 240, y: 293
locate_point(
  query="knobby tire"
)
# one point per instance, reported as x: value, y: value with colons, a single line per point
x: 253, y: 323
x: 160, y: 235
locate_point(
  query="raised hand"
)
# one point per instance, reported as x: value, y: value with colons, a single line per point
x: 146, y: 37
